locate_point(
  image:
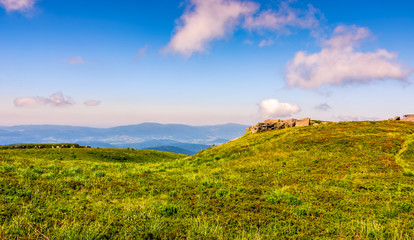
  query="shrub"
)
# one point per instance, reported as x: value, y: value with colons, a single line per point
x: 221, y: 193
x: 48, y: 175
x: 406, y: 207
x: 408, y: 174
x: 29, y: 174
x: 172, y: 193
x: 169, y: 210
x: 77, y: 170
x: 95, y: 167
x: 100, y: 174
x: 37, y: 170
x: 9, y: 168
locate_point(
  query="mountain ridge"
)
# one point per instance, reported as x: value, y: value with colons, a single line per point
x: 191, y: 138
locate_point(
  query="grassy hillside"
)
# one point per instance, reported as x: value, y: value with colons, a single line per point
x: 345, y: 180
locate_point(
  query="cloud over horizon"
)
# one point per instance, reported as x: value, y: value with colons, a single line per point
x: 92, y: 103
x: 208, y: 20
x: 272, y: 108
x: 55, y: 100
x: 339, y: 63
x: 17, y: 5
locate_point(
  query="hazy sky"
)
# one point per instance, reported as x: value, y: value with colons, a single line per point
x: 107, y: 63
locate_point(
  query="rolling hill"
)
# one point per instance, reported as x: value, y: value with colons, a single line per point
x: 181, y: 138
x: 348, y: 180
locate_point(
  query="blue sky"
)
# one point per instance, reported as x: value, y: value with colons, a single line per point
x: 107, y: 63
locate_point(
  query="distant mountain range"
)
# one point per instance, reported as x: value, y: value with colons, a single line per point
x: 164, y: 137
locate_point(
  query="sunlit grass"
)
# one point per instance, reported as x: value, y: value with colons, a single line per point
x: 345, y: 180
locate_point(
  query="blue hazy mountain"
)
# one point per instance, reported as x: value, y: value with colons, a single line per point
x: 176, y: 137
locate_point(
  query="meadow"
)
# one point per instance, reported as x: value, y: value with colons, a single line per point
x: 348, y: 180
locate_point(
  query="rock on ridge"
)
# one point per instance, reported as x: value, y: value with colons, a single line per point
x: 274, y: 124
x: 407, y: 118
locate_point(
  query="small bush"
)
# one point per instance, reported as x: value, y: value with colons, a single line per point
x: 408, y: 174
x: 29, y: 174
x: 54, y: 167
x: 9, y: 168
x: 10, y: 198
x: 77, y: 170
x: 406, y: 207
x: 95, y: 167
x: 222, y: 193
x: 68, y: 173
x: 172, y: 193
x: 169, y: 210
x: 37, y: 170
x: 48, y: 175
x: 100, y: 174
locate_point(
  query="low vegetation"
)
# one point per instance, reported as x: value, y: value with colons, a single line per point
x: 344, y: 180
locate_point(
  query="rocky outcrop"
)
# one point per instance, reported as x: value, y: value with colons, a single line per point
x: 274, y: 124
x: 406, y: 118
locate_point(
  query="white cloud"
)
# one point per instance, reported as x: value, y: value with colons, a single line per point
x: 208, y: 20
x: 248, y: 42
x: 205, y: 21
x: 92, y: 103
x: 265, y: 43
x: 76, y: 60
x: 338, y: 62
x: 323, y: 107
x: 272, y: 108
x: 285, y: 16
x: 55, y: 100
x: 17, y: 5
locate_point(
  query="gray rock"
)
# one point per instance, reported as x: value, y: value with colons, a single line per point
x: 275, y: 124
x: 303, y: 122
x: 408, y: 118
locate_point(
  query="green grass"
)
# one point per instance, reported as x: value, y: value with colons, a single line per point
x: 337, y: 181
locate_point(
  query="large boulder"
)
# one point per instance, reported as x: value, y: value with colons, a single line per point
x: 303, y: 122
x: 408, y: 118
x: 275, y: 124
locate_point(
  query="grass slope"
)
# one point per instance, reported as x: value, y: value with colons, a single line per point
x: 345, y: 180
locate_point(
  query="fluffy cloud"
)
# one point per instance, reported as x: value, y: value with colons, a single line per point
x: 17, y: 5
x: 323, y: 107
x: 284, y: 17
x: 265, y: 43
x: 338, y: 62
x: 76, y: 60
x: 205, y: 21
x: 55, y: 100
x: 272, y: 108
x: 208, y: 20
x: 92, y: 103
